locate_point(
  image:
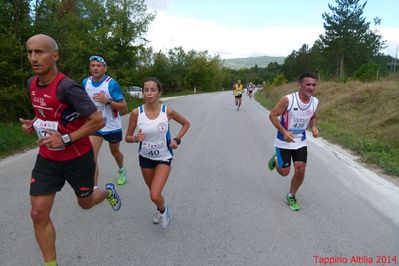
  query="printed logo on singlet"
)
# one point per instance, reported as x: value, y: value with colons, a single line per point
x: 162, y: 127
x: 42, y: 112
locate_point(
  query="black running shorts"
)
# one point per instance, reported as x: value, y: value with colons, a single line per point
x: 114, y: 137
x: 49, y: 176
x: 148, y: 163
x: 284, y: 156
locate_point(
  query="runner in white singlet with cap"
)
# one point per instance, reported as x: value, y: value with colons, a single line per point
x: 107, y: 95
x: 155, y: 143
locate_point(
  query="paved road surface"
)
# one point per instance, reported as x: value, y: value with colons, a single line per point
x: 226, y: 207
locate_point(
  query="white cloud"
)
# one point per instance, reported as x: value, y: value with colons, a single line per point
x: 167, y: 32
x: 391, y: 35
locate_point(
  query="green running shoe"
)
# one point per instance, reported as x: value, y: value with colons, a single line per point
x: 272, y: 163
x: 291, y: 201
x: 113, y: 197
x: 121, y: 176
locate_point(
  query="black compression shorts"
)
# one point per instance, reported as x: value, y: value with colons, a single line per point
x: 49, y: 176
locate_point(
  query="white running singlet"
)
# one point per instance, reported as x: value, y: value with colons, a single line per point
x: 155, y: 145
x: 111, y: 116
x: 296, y: 120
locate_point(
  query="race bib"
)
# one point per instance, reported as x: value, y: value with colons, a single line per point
x: 43, y: 128
x: 298, y: 127
x: 152, y: 149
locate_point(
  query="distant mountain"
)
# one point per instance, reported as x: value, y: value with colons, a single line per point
x: 261, y: 61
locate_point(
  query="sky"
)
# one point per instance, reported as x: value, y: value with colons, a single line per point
x: 246, y: 28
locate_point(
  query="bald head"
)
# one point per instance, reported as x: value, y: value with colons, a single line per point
x: 42, y: 52
x: 46, y: 40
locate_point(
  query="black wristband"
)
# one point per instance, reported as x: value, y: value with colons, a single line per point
x: 178, y: 140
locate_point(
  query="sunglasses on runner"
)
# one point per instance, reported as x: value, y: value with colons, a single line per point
x: 97, y: 58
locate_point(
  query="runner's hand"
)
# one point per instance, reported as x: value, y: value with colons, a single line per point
x: 315, y: 132
x: 139, y: 136
x: 99, y: 97
x: 173, y: 144
x: 288, y: 137
x: 52, y: 140
x: 27, y: 125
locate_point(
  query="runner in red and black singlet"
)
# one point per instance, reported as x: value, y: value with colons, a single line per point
x: 64, y: 118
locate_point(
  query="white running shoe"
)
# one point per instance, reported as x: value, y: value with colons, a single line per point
x: 157, y: 217
x: 164, y: 218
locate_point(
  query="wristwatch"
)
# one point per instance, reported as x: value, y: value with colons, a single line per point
x: 66, y: 139
x: 178, y: 140
x: 109, y: 101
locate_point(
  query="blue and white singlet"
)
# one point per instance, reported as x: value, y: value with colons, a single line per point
x: 110, y: 88
x: 296, y: 120
x: 156, y: 135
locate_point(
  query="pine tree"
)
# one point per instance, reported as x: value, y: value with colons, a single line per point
x: 348, y: 40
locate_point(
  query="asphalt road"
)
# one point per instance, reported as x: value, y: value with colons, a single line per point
x: 226, y: 207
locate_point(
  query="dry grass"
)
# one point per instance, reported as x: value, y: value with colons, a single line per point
x: 361, y: 116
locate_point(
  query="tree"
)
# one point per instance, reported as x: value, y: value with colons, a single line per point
x: 348, y: 39
x: 15, y: 27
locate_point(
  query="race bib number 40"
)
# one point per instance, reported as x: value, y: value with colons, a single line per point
x: 152, y: 149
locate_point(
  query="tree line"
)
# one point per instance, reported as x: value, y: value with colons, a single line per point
x: 116, y: 29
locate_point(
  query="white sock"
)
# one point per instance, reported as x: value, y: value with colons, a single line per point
x: 95, y: 187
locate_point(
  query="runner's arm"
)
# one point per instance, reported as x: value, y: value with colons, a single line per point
x: 129, y: 137
x: 172, y: 114
x: 312, y: 125
x: 117, y: 102
x: 274, y: 115
x: 93, y: 123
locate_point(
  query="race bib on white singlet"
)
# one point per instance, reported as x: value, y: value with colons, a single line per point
x: 43, y: 128
x: 152, y: 149
x: 298, y: 127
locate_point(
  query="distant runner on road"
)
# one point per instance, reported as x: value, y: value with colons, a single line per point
x: 292, y: 115
x: 155, y: 143
x: 238, y: 90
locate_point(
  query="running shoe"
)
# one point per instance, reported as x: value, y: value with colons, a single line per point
x: 291, y: 201
x: 165, y: 218
x: 272, y: 163
x: 157, y: 217
x: 113, y: 197
x: 121, y: 176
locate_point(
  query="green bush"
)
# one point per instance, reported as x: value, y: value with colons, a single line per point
x: 279, y: 80
x: 14, y: 103
x: 367, y: 72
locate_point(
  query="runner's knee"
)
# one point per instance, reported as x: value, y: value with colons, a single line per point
x: 39, y: 215
x: 283, y: 171
x: 85, y: 203
x: 155, y: 197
